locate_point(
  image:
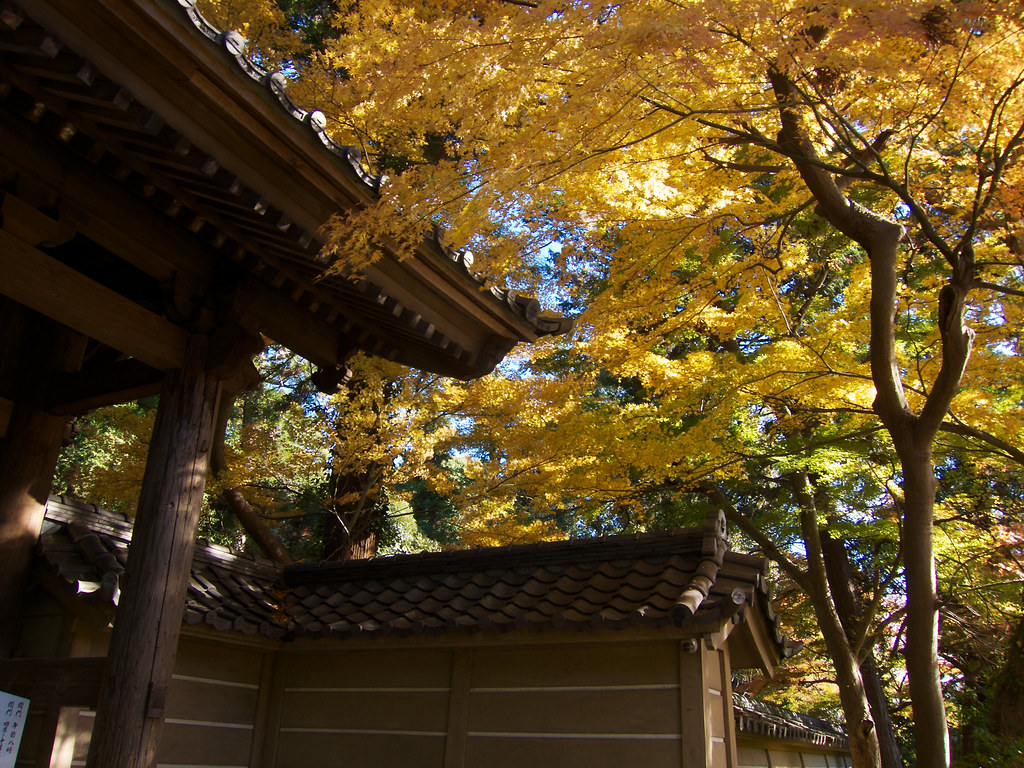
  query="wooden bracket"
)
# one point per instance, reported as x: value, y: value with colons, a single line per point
x: 156, y: 700
x: 331, y: 380
x: 31, y: 225
x: 230, y: 355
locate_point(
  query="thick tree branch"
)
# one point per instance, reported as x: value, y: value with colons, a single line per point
x: 235, y: 499
x: 965, y: 430
x: 769, y: 547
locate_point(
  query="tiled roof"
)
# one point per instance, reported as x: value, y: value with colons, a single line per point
x: 761, y: 718
x: 608, y: 582
x: 86, y: 547
x: 678, y: 578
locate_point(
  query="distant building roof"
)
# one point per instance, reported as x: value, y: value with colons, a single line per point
x: 761, y: 718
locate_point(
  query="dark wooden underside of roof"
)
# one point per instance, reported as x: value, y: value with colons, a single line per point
x: 152, y: 189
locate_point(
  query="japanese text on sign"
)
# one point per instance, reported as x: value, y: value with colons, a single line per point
x: 13, y: 711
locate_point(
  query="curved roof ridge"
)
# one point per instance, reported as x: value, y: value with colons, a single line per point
x: 565, y: 551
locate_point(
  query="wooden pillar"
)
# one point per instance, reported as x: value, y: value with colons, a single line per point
x: 725, y: 681
x: 27, y: 458
x: 148, y: 621
x: 696, y: 733
x: 32, y: 347
x: 458, y: 708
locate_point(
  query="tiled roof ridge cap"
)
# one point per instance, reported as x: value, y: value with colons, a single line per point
x: 561, y: 552
x: 714, y: 546
x: 66, y: 510
x: 217, y: 554
x: 62, y: 509
x: 353, y: 158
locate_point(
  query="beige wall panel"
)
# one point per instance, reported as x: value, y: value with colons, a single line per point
x: 355, y: 669
x: 570, y: 753
x: 84, y: 736
x: 314, y: 750
x: 195, y: 700
x: 783, y: 758
x: 577, y: 665
x: 814, y: 760
x: 716, y: 711
x: 751, y: 757
x: 719, y: 757
x: 400, y: 710
x: 225, y: 662
x: 64, y: 738
x: 581, y: 711
x: 203, y: 745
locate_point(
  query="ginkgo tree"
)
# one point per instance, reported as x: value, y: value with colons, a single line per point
x: 776, y: 213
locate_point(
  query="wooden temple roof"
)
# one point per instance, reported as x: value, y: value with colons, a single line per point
x: 157, y: 182
x: 615, y: 582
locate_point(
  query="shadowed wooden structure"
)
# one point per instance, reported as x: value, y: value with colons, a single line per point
x: 598, y: 652
x: 161, y: 204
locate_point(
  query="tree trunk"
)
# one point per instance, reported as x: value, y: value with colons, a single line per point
x: 148, y: 620
x: 253, y: 524
x: 863, y: 735
x: 912, y: 435
x: 349, y: 526
x: 249, y: 518
x: 849, y: 611
x: 931, y: 734
x: 1006, y: 716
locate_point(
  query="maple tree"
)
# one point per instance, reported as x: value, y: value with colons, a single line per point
x: 791, y: 232
x: 720, y: 147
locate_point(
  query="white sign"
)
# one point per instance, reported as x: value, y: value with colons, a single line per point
x: 13, y: 711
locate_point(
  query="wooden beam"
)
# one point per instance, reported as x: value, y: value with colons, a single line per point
x: 102, y: 209
x: 120, y: 382
x: 264, y: 310
x: 28, y: 454
x: 148, y: 619
x: 42, y: 283
x: 107, y: 213
x: 53, y: 682
x: 725, y: 682
x: 458, y: 708
x: 188, y: 81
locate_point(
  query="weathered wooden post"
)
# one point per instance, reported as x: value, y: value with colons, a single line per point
x: 32, y: 347
x: 145, y: 636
